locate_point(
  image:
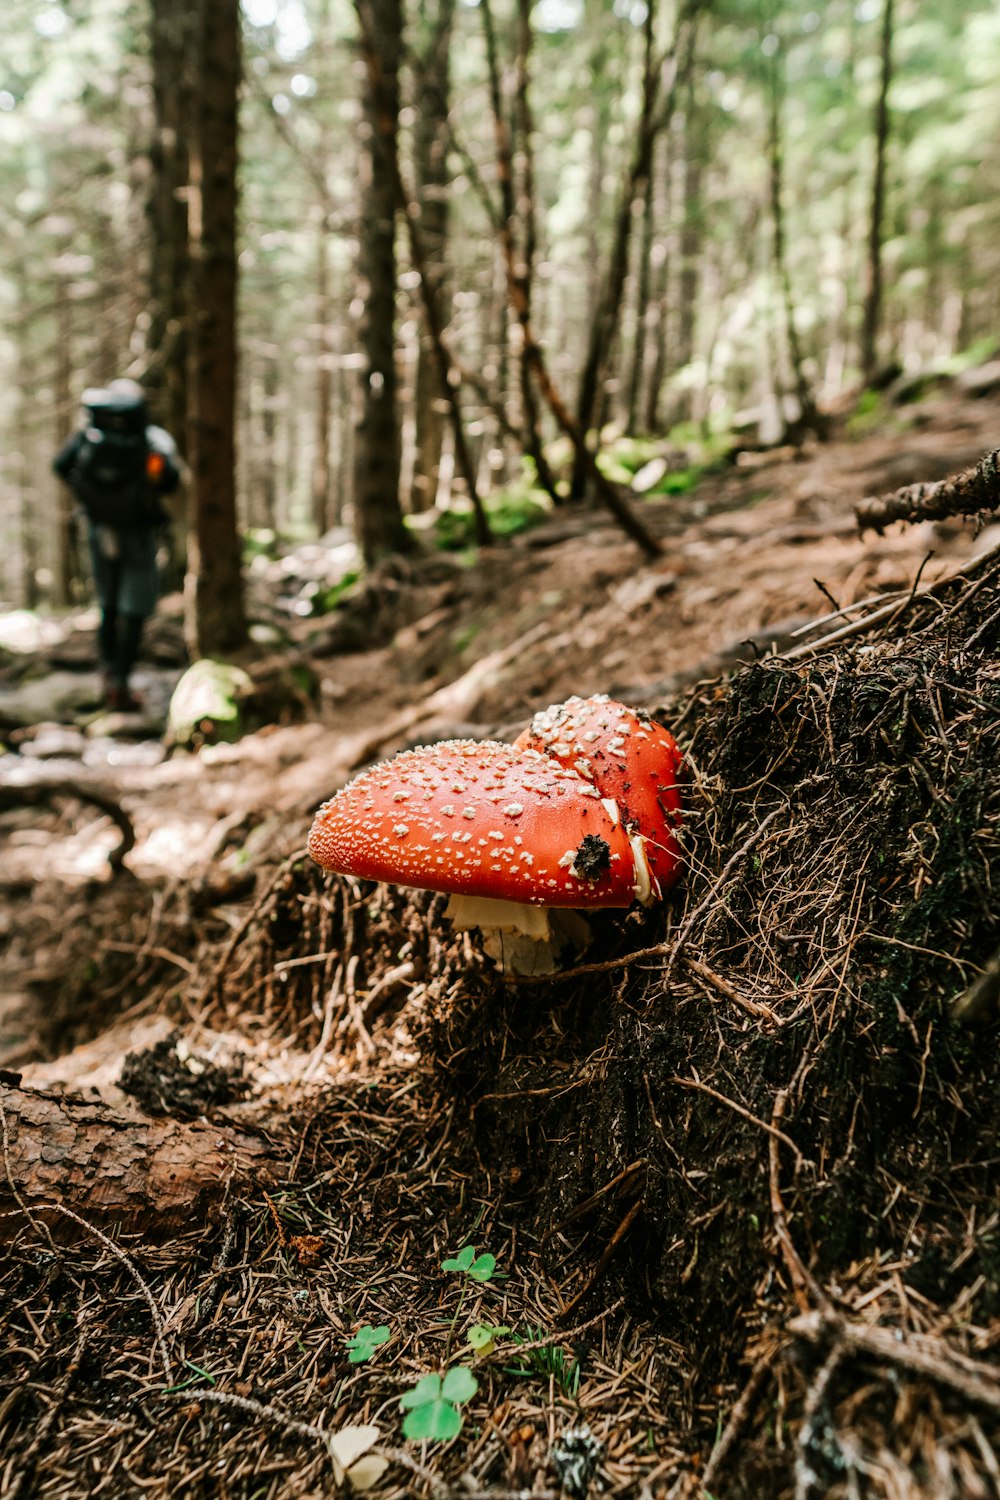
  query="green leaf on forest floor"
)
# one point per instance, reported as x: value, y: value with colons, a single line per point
x: 362, y: 1345
x: 432, y: 1405
x: 482, y: 1337
x: 478, y: 1267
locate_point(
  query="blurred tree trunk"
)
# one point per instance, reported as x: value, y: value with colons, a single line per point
x: 808, y: 418
x: 378, y: 516
x: 215, y: 618
x: 165, y: 374
x: 430, y: 154
x: 165, y: 378
x: 873, y: 279
x: 692, y: 231
x: 27, y: 491
x: 661, y: 309
x: 67, y: 568
x: 322, y: 479
x: 657, y: 107
x: 517, y: 291
x: 524, y: 126
x: 518, y: 267
x: 645, y: 306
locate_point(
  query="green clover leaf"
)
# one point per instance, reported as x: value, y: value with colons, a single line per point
x: 478, y: 1267
x: 432, y: 1405
x: 362, y: 1345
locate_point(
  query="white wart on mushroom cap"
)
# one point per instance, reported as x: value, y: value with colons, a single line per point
x: 479, y: 819
x: 632, y: 762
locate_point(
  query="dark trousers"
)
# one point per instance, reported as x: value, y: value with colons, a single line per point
x: 118, y: 637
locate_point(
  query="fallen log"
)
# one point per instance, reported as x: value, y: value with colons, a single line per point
x: 116, y: 1167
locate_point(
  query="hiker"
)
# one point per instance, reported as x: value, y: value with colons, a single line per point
x: 119, y: 466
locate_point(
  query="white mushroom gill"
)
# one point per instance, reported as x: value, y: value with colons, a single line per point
x: 522, y: 939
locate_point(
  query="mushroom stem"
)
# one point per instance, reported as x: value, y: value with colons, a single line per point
x: 523, y: 939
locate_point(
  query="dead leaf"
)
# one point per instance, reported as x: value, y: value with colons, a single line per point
x: 348, y: 1449
x: 310, y: 1249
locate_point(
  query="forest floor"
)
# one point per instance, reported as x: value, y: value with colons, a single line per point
x: 736, y: 1171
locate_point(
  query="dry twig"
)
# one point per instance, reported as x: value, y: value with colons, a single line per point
x: 974, y: 489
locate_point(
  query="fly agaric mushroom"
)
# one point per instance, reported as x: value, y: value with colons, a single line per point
x: 632, y: 762
x: 511, y: 835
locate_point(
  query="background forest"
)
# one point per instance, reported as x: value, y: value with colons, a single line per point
x: 627, y: 218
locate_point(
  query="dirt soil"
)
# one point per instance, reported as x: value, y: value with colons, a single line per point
x: 737, y: 1168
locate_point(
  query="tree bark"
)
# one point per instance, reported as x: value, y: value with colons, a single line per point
x: 808, y: 418
x: 657, y: 108
x: 27, y: 521
x: 165, y: 375
x: 661, y: 308
x: 430, y: 153
x: 67, y: 569
x: 117, y: 1167
x: 378, y: 516
x: 322, y: 478
x: 873, y: 282
x: 644, y: 305
x: 389, y: 165
x: 518, y: 268
x: 692, y: 229
x: 524, y: 126
x: 215, y: 618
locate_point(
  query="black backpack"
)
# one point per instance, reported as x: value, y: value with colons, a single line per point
x: 112, y: 474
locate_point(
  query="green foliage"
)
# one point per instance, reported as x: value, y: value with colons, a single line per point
x: 976, y: 353
x: 548, y: 1362
x: 510, y: 510
x: 362, y: 1345
x: 482, y: 1337
x: 476, y: 1267
x: 432, y: 1406
x: 673, y: 467
x: 193, y: 1379
x: 325, y: 600
x: 869, y: 414
x: 260, y: 541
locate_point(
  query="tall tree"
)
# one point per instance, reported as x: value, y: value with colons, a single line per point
x: 518, y: 261
x: 171, y: 51
x: 321, y: 479
x: 378, y: 516
x: 659, y: 83
x: 808, y: 418
x: 532, y: 354
x: 873, y: 279
x: 215, y: 617
x: 432, y: 90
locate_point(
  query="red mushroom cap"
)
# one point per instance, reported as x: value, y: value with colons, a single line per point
x: 629, y: 759
x: 479, y: 819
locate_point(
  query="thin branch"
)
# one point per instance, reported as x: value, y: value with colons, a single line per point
x: 966, y: 494
x: 921, y: 1354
